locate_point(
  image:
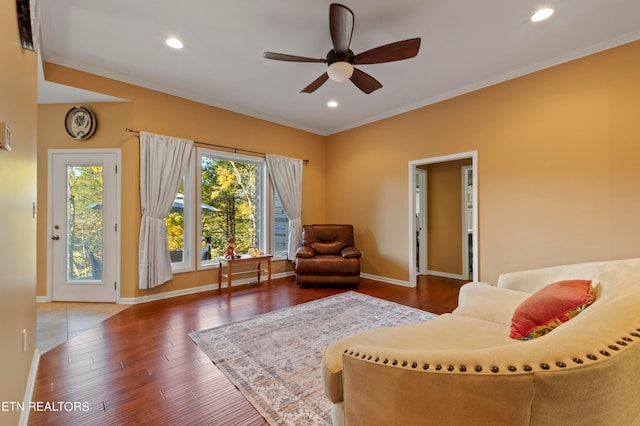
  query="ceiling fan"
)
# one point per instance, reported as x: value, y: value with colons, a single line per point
x: 341, y: 59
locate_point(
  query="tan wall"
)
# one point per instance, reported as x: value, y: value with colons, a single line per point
x: 165, y: 114
x: 557, y: 173
x: 444, y: 216
x: 18, y: 97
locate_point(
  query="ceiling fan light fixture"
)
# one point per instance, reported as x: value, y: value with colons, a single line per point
x: 340, y: 71
x: 542, y: 14
x: 174, y: 43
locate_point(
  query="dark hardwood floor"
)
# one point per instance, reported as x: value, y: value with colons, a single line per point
x: 140, y: 367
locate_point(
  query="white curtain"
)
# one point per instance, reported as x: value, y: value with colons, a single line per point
x: 286, y: 176
x: 163, y: 163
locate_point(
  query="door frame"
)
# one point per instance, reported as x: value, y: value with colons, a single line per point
x: 50, y: 153
x: 473, y: 155
x: 465, y: 220
x: 423, y: 177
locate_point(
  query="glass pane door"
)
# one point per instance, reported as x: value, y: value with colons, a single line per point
x: 84, y: 223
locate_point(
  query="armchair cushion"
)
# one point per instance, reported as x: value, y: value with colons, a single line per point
x: 327, y: 248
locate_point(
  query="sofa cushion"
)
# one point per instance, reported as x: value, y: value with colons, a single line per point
x: 490, y: 303
x: 549, y: 307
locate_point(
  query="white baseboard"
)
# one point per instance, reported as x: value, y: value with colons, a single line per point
x: 28, y: 392
x: 386, y: 280
x: 447, y: 275
x: 42, y: 299
x: 193, y: 290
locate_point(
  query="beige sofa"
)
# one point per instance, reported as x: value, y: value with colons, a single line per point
x: 464, y: 369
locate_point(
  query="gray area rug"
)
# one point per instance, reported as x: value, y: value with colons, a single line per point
x: 274, y: 358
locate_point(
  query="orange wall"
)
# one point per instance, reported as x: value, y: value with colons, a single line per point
x: 165, y: 114
x: 557, y: 179
x: 18, y: 98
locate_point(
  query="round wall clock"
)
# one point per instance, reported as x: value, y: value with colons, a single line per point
x: 80, y: 123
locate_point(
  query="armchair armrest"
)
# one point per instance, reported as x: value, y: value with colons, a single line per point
x: 350, y: 252
x: 305, y: 251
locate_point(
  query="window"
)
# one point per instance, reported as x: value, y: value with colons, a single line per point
x: 233, y: 201
x: 179, y: 226
x: 232, y: 196
x: 280, y: 228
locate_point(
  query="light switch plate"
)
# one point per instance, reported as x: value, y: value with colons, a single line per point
x: 5, y: 137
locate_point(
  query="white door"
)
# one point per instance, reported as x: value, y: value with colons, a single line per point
x: 83, y: 206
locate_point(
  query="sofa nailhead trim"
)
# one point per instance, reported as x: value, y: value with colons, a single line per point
x: 512, y: 368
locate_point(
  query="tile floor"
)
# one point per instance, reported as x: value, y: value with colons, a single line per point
x: 57, y: 322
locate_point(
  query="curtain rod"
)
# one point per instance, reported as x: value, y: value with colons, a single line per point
x: 235, y: 150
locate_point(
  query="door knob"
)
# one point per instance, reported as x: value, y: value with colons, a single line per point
x: 55, y: 237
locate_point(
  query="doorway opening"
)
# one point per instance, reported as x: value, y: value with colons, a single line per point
x: 451, y: 250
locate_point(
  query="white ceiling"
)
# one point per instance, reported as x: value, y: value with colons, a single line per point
x: 466, y: 45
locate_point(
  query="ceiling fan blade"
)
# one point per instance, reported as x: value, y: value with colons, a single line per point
x: 290, y: 58
x: 364, y: 81
x: 316, y: 84
x: 397, y: 51
x: 341, y: 27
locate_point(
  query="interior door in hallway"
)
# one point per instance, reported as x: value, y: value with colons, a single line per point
x: 83, y: 214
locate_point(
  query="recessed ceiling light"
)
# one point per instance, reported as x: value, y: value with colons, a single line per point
x: 542, y: 14
x: 175, y: 43
x: 332, y: 104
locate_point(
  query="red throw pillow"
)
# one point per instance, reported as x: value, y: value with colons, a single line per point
x: 549, y: 307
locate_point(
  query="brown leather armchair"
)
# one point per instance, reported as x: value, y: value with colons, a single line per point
x: 327, y: 256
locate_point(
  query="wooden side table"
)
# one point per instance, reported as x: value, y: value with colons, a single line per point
x: 243, y: 260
